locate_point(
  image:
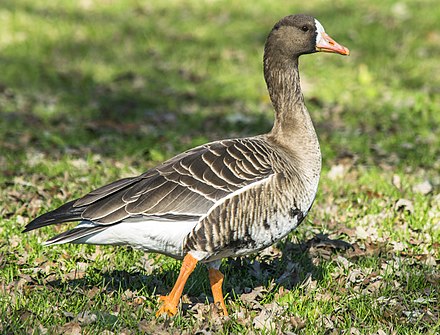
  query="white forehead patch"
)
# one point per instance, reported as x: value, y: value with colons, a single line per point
x: 319, y: 30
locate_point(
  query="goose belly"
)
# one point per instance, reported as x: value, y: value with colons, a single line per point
x: 164, y: 237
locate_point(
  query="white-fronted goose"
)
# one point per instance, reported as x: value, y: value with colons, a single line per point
x: 223, y: 199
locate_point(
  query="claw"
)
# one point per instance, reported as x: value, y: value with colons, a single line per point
x: 167, y: 307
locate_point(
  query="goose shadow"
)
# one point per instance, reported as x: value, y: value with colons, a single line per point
x: 285, y: 267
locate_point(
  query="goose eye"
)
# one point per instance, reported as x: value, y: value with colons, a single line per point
x: 305, y: 28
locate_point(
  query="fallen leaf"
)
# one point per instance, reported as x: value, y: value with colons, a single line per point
x: 41, y: 330
x: 373, y: 287
x: 355, y: 276
x: 346, y: 264
x: 241, y: 316
x: 264, y: 321
x: 139, y: 300
x: 308, y: 283
x: 70, y: 328
x: 86, y: 318
x: 398, y: 246
x: 423, y: 188
x: 252, y: 295
x: 94, y: 291
x: 371, y: 220
x: 323, y: 241
x: 413, y: 316
x: 327, y: 322
x: 324, y: 296
x: 106, y: 332
x: 404, y: 205
x: 291, y: 274
x: 422, y: 300
x: 429, y: 260
x: 397, y: 181
x: 152, y: 327
x: 336, y: 172
x: 297, y: 322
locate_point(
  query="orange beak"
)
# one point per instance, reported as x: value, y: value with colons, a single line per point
x: 328, y: 44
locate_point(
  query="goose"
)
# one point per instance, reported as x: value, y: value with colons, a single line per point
x: 226, y: 198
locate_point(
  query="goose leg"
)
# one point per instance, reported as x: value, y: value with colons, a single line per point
x: 171, y: 301
x: 216, y: 280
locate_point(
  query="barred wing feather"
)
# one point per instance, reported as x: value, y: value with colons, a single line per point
x: 187, y: 185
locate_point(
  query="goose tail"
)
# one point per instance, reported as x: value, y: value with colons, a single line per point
x: 66, y: 213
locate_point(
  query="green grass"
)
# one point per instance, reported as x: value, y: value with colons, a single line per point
x: 92, y: 91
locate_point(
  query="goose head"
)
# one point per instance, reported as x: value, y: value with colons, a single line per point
x: 300, y: 34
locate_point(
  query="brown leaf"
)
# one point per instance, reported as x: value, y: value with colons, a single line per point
x: 241, y: 316
x: 423, y: 188
x: 252, y: 295
x: 282, y: 291
x: 106, y: 332
x: 337, y: 171
x: 70, y: 328
x: 404, y: 205
x: 346, y: 264
x: 272, y: 252
x: 216, y: 311
x: 291, y: 274
x: 326, y: 322
x: 433, y: 278
x: 308, y: 283
x: 414, y: 315
x: 94, y: 291
x: 152, y: 327
x: 86, y: 318
x: 139, y: 300
x: 264, y: 320
x: 41, y: 330
x: 324, y: 297
x: 374, y: 287
x: 397, y: 181
x: 355, y: 253
x: 74, y: 274
x: 297, y: 322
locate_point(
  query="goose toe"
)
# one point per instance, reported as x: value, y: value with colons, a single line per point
x: 168, y: 307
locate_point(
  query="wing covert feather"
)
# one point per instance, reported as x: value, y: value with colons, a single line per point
x: 188, y: 184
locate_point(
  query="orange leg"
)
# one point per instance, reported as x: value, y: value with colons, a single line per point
x: 170, y: 301
x: 216, y: 280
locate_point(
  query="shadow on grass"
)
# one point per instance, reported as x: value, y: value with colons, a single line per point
x: 268, y: 273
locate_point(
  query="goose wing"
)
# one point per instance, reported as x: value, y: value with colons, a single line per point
x: 183, y: 188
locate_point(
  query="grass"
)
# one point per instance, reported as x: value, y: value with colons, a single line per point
x: 92, y: 91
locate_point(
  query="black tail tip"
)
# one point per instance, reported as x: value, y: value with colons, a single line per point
x: 64, y: 213
x: 26, y: 229
x: 30, y: 226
